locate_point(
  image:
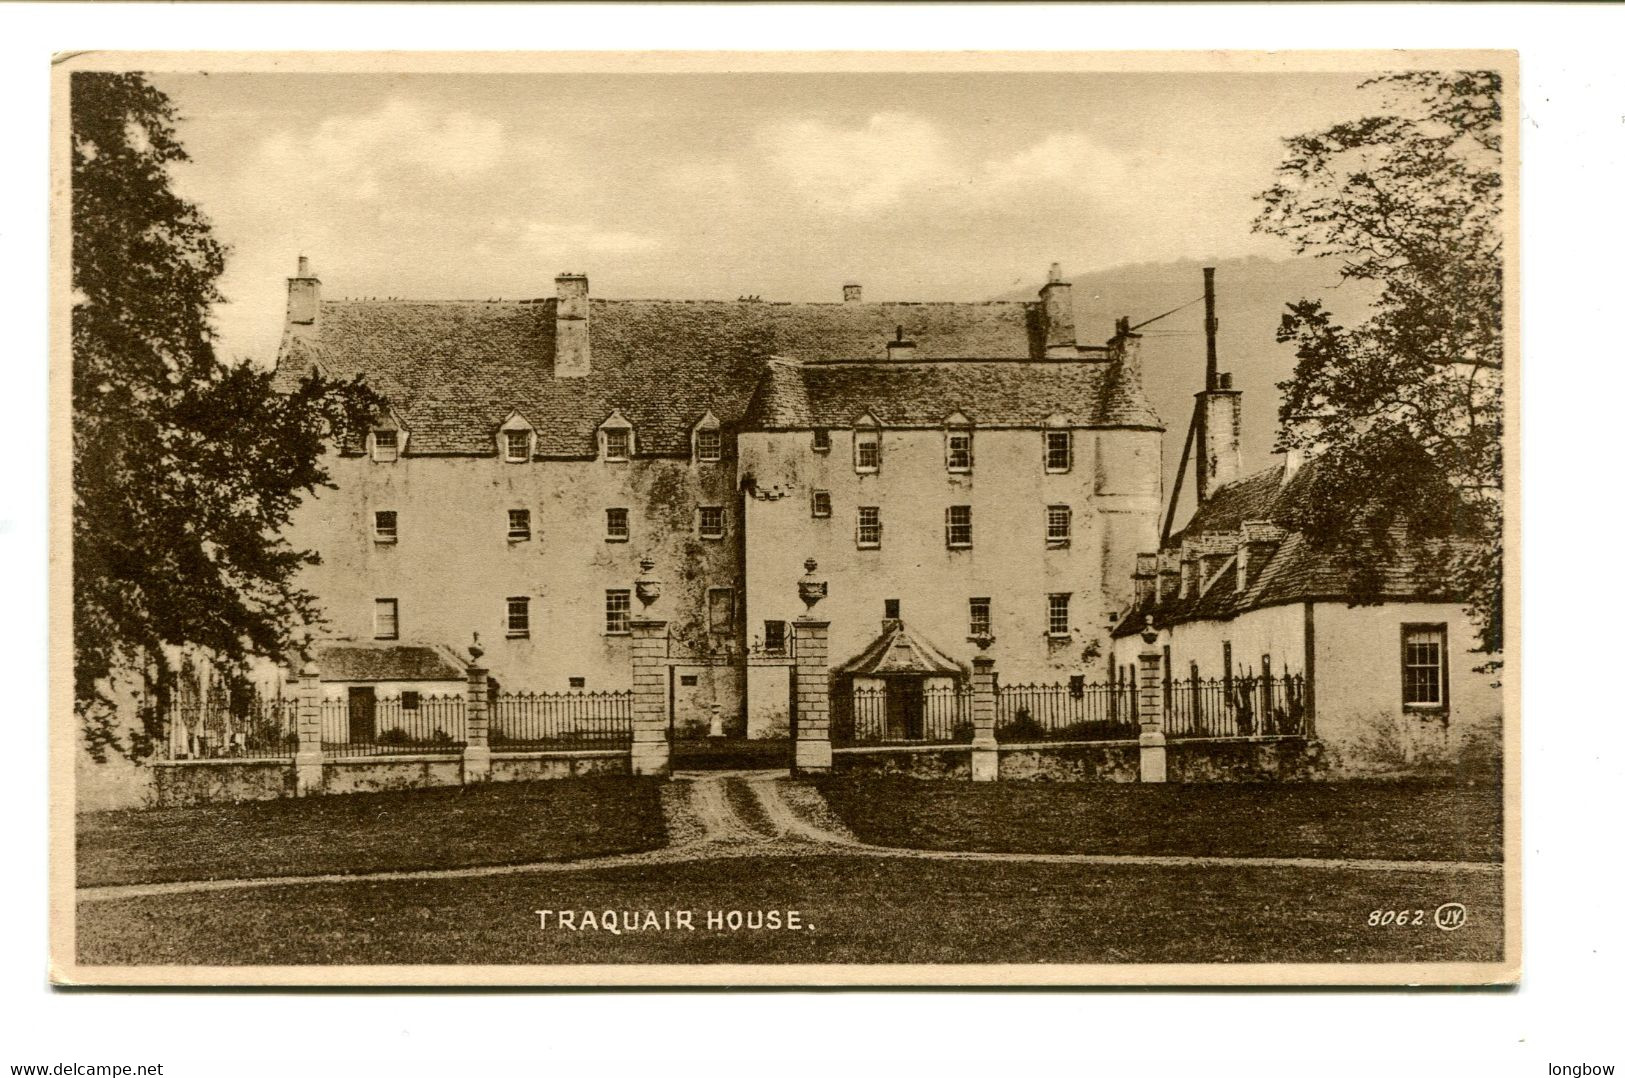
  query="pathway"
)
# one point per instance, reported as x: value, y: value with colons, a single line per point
x: 702, y: 823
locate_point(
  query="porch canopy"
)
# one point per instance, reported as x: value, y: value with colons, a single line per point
x: 900, y: 652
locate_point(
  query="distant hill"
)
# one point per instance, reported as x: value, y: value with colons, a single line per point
x: 1251, y: 294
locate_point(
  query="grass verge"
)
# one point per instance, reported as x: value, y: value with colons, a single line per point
x: 859, y: 909
x: 1398, y: 820
x: 492, y: 823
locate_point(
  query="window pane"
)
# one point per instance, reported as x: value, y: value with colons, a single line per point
x: 616, y: 524
x: 773, y: 636
x: 867, y: 446
x: 383, y: 524
x: 981, y: 616
x: 519, y: 616
x: 711, y: 522
x: 959, y: 446
x: 820, y: 440
x: 618, y: 611
x: 385, y: 439
x: 518, y: 444
x: 1060, y: 621
x: 820, y: 503
x: 519, y: 524
x: 709, y: 444
x: 1423, y: 673
x: 959, y: 525
x: 1058, y: 451
x: 868, y: 525
x: 617, y: 443
x: 1060, y: 523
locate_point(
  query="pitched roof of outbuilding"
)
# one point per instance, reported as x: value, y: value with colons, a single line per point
x: 899, y: 650
x: 1296, y: 570
x: 365, y: 661
x: 455, y: 371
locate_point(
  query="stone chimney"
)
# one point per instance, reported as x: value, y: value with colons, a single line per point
x: 1145, y: 579
x: 1190, y: 572
x: 1060, y: 335
x: 1168, y: 573
x: 900, y: 349
x: 1259, y: 541
x: 1124, y: 348
x: 304, y: 303
x: 572, y: 348
x: 852, y: 292
x: 1220, y: 462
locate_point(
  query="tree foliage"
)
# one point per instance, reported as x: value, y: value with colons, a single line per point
x: 1403, y: 410
x: 185, y: 467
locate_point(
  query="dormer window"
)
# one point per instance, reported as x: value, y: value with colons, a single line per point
x: 1057, y: 445
x: 386, y: 444
x: 708, y: 440
x: 517, y: 445
x: 516, y: 439
x: 615, y: 438
x: 866, y: 445
x: 957, y: 443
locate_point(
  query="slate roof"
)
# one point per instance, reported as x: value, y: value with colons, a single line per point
x: 898, y: 651
x: 455, y: 371
x: 990, y: 393
x: 1296, y: 571
x: 363, y: 661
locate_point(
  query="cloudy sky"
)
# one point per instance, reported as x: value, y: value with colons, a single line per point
x: 921, y: 186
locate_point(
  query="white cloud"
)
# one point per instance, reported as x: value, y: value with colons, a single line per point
x: 357, y: 153
x: 859, y: 170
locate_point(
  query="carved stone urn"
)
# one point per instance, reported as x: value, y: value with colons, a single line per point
x: 811, y: 587
x: 648, y: 585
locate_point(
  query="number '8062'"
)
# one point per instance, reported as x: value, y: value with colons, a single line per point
x: 1399, y: 918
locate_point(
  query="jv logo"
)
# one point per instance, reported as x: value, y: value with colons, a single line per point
x: 1450, y: 916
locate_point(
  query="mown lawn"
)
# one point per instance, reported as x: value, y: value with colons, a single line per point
x: 493, y: 823
x: 1398, y: 820
x: 859, y: 909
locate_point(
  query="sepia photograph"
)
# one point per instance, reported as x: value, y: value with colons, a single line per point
x: 785, y: 519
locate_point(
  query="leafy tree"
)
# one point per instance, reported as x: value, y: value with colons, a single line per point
x: 185, y: 467
x: 1406, y: 406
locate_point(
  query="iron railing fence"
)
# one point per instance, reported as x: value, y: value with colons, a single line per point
x: 265, y: 728
x: 901, y: 714
x: 395, y: 725
x: 1074, y: 710
x: 1242, y: 705
x: 521, y: 720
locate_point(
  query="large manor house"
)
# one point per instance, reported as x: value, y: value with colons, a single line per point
x: 957, y: 470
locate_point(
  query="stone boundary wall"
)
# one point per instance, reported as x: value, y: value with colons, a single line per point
x: 204, y: 782
x: 1255, y: 759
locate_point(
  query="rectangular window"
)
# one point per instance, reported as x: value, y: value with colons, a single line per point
x: 617, y: 528
x: 386, y: 444
x: 409, y: 700
x: 1057, y: 451
x: 386, y: 620
x: 866, y: 450
x: 820, y: 440
x: 981, y: 617
x: 383, y: 526
x: 773, y: 637
x: 958, y: 526
x: 618, y: 611
x: 518, y: 525
x: 518, y: 444
x: 959, y: 446
x: 578, y: 683
x: 711, y: 522
x: 1060, y: 614
x: 868, y: 526
x: 617, y: 444
x: 820, y: 503
x: 689, y: 680
x: 720, y: 609
x: 1424, y: 666
x: 518, y: 616
x: 894, y: 609
x: 1058, y: 530
x: 708, y: 444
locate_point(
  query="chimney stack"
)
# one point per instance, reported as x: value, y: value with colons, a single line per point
x: 1124, y: 348
x: 1219, y: 412
x: 900, y: 349
x: 572, y: 348
x: 304, y: 303
x: 852, y: 292
x: 1145, y: 579
x: 1060, y: 335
